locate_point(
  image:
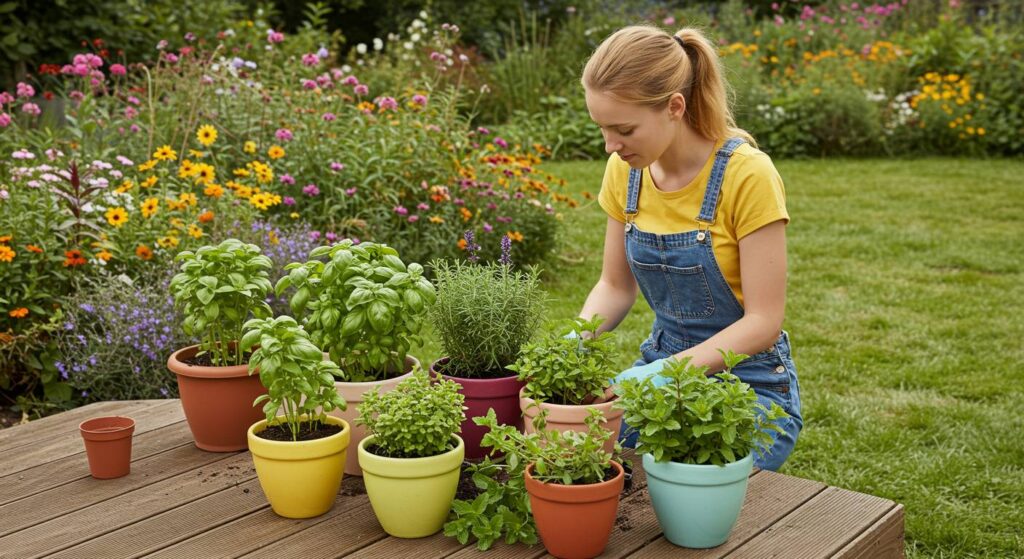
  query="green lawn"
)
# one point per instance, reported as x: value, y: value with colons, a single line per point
x: 905, y: 310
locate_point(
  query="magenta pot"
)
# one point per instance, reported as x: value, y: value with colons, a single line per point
x: 502, y: 394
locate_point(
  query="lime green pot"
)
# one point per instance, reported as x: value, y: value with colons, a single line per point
x: 411, y: 496
x: 300, y: 478
x: 697, y: 504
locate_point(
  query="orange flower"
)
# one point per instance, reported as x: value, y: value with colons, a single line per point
x: 73, y: 258
x: 104, y: 255
x: 515, y: 236
x: 20, y: 312
x: 5, y: 238
x: 6, y: 254
x: 206, y: 217
x: 34, y: 248
x: 466, y: 214
x: 143, y: 252
x: 461, y: 244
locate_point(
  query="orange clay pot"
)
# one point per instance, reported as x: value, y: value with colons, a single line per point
x: 575, y: 521
x: 217, y: 401
x: 573, y: 418
x: 108, y: 445
x: 353, y: 392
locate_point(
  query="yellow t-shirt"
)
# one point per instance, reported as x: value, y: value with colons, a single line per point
x: 752, y: 196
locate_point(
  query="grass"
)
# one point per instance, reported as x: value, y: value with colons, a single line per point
x: 906, y: 310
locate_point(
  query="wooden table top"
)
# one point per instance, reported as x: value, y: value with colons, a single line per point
x: 179, y: 501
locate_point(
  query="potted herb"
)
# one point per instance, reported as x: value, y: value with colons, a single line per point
x: 299, y: 454
x: 697, y: 435
x: 218, y: 289
x: 411, y: 457
x: 573, y: 485
x: 363, y: 306
x: 483, y: 314
x: 567, y: 373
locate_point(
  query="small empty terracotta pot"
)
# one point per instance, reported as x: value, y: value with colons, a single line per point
x: 108, y: 445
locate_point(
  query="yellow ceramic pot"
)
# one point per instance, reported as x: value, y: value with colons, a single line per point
x: 300, y: 479
x: 411, y: 496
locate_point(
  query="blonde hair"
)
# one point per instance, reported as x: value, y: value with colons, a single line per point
x: 643, y: 64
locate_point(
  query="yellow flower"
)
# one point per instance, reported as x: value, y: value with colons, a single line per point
x: 243, y: 191
x: 241, y: 172
x: 206, y: 134
x: 515, y: 236
x: 116, y: 216
x: 250, y: 147
x: 272, y: 237
x: 150, y: 207
x: 104, y: 255
x: 125, y: 187
x: 436, y: 219
x: 188, y: 198
x: 294, y: 215
x: 149, y: 182
x: 195, y: 231
x: 7, y: 253
x: 214, y: 190
x: 167, y: 242
x: 205, y: 174
x: 186, y: 169
x: 275, y: 152
x: 147, y: 165
x: 196, y: 153
x: 261, y: 201
x: 165, y: 153
x: 981, y: 131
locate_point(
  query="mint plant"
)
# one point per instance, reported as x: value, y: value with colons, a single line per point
x: 414, y: 420
x: 363, y: 305
x: 294, y: 372
x: 568, y: 370
x: 484, y: 313
x: 695, y: 418
x: 503, y: 506
x: 218, y: 289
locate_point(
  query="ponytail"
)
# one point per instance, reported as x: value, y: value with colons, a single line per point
x: 644, y: 65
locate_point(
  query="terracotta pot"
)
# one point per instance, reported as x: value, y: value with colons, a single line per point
x: 108, y: 445
x: 575, y: 521
x: 482, y: 394
x: 217, y: 401
x: 573, y: 418
x: 353, y: 392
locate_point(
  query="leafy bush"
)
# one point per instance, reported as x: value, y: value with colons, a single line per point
x: 568, y: 369
x: 294, y: 371
x: 218, y: 288
x: 695, y: 418
x: 484, y: 313
x: 365, y: 306
x: 415, y: 420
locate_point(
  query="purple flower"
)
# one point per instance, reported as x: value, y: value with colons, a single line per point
x: 335, y: 166
x: 310, y: 190
x: 331, y: 236
x: 498, y: 141
x: 420, y: 100
x: 400, y: 210
x: 323, y: 53
x: 483, y: 131
x: 350, y: 80
x: 308, y: 84
x: 350, y: 191
x: 288, y: 201
x: 314, y: 235
x: 361, y: 89
x: 488, y: 227
x: 328, y: 117
x: 283, y: 134
x: 310, y: 59
x: 386, y: 103
x: 506, y: 250
x: 471, y: 245
x: 164, y: 392
x: 287, y: 179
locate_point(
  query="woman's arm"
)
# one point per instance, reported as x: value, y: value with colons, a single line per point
x: 615, y: 293
x: 763, y: 276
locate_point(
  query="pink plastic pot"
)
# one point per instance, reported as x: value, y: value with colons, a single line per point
x: 108, y: 445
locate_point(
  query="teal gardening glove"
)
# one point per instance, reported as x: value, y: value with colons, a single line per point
x: 644, y: 371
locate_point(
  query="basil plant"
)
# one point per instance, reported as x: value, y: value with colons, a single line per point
x: 363, y: 305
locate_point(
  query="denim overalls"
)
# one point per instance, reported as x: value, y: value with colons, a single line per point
x: 680, y: 279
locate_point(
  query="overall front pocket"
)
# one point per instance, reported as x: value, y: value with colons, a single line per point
x: 673, y: 291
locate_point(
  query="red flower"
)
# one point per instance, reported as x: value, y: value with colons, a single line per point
x: 48, y: 95
x: 73, y: 258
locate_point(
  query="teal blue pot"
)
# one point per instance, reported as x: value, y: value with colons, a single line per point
x: 697, y: 505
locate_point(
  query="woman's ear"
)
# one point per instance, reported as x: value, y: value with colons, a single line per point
x: 676, y: 106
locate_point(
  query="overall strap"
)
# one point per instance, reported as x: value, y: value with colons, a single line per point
x: 632, y: 196
x: 714, y: 187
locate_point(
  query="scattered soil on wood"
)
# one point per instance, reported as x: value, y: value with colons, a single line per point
x: 282, y: 433
x: 352, y: 486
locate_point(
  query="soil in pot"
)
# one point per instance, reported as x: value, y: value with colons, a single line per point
x: 283, y: 433
x: 444, y: 367
x: 205, y: 360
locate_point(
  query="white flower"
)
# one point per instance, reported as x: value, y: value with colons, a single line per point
x: 416, y: 24
x: 346, y: 69
x: 415, y: 38
x: 408, y: 45
x: 423, y: 14
x: 361, y: 48
x: 377, y: 44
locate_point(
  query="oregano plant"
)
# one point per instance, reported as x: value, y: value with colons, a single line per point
x: 696, y: 418
x: 414, y: 420
x: 218, y: 289
x: 568, y: 369
x: 363, y: 305
x: 294, y: 371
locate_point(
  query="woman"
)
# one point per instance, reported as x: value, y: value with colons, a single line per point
x: 696, y: 217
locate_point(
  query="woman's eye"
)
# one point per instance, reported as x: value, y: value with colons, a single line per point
x: 626, y: 132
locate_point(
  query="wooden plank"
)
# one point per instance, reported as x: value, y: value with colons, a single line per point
x: 883, y: 540
x: 253, y: 531
x: 47, y: 476
x: 117, y: 512
x: 66, y: 423
x: 156, y: 532
x: 68, y: 444
x: 430, y: 547
x: 819, y: 528
x: 87, y: 491
x: 770, y: 496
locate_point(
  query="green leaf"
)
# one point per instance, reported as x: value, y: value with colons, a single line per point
x: 379, y: 315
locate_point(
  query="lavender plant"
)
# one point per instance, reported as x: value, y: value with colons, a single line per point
x: 484, y: 312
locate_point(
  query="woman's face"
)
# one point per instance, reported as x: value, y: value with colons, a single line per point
x: 638, y: 134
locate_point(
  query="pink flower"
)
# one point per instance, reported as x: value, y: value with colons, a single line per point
x: 400, y: 210
x: 6, y: 98
x: 308, y: 84
x: 386, y: 103
x: 350, y: 80
x: 283, y: 134
x: 498, y: 141
x: 25, y: 90
x: 669, y: 21
x: 324, y: 80
x: 422, y: 206
x: 288, y: 201
x: 190, y: 36
x: 350, y: 191
x: 310, y: 190
x: 310, y: 59
x: 419, y: 100
x: 130, y: 112
x: 162, y: 44
x: 328, y: 117
x: 775, y: 6
x: 134, y: 100
x: 482, y: 131
x: 134, y: 128
x: 5, y: 120
x: 31, y: 108
x: 274, y: 37
x: 287, y: 179
x: 414, y: 218
x: 331, y: 236
x: 361, y: 89
x: 23, y: 154
x: 488, y: 227
x: 335, y: 166
x: 314, y: 235
x: 118, y: 70
x: 124, y: 161
x: 76, y: 95
x: 778, y: 20
x: 171, y: 57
